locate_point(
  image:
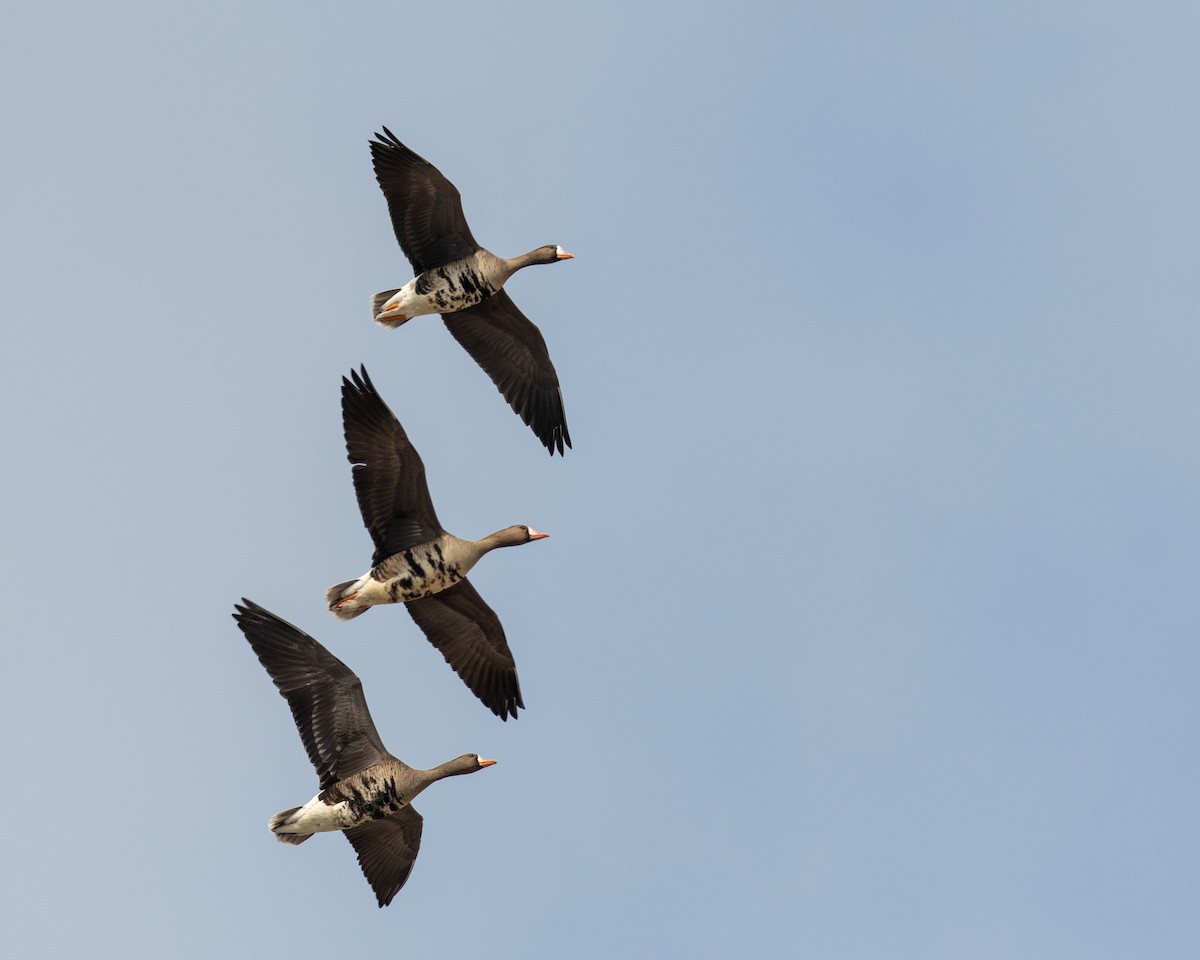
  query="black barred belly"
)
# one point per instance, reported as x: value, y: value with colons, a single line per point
x: 418, y: 572
x: 368, y: 797
x: 453, y: 287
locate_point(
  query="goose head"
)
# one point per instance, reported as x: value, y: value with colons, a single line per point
x: 514, y: 536
x: 467, y: 763
x: 550, y: 253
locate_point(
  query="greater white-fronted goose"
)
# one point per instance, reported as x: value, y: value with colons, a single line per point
x: 462, y: 281
x: 416, y: 562
x: 365, y: 791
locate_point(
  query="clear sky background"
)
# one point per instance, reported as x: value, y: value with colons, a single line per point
x: 868, y: 623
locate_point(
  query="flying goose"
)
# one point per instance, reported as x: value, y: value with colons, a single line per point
x: 462, y: 281
x: 416, y: 562
x: 365, y: 791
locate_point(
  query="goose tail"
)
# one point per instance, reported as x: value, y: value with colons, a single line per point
x: 377, y: 305
x: 279, y: 824
x: 344, y: 599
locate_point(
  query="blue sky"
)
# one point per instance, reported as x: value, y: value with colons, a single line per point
x: 867, y: 626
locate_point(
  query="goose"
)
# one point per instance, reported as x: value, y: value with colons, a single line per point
x: 416, y: 562
x: 462, y: 281
x: 365, y: 791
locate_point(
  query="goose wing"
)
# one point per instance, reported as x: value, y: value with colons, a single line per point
x: 512, y: 351
x: 468, y: 633
x: 389, y: 475
x: 325, y: 695
x: 425, y: 207
x: 387, y: 850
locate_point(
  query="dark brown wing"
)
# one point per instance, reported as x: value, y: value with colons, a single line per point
x: 325, y: 696
x: 511, y: 350
x: 468, y: 633
x: 389, y: 476
x: 387, y: 850
x: 425, y: 207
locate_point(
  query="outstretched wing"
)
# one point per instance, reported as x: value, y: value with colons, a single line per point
x: 387, y: 850
x: 325, y: 696
x: 512, y: 351
x: 389, y: 475
x: 468, y: 633
x: 425, y: 207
